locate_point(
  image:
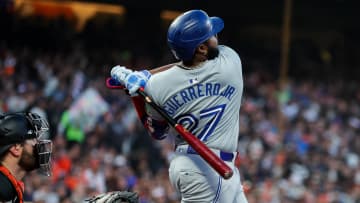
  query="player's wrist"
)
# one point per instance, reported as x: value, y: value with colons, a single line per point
x: 147, y: 74
x: 136, y: 80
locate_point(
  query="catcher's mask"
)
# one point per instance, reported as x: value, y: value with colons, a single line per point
x: 43, y: 148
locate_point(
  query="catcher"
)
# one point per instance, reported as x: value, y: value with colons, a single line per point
x: 21, y: 151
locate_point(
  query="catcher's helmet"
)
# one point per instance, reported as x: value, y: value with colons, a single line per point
x: 191, y: 29
x: 18, y: 127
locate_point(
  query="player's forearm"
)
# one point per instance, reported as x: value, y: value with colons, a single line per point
x: 162, y: 68
x: 156, y: 127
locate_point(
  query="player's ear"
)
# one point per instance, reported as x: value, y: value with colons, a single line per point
x: 16, y: 150
x: 202, y: 49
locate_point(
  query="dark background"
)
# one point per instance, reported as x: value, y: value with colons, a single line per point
x: 253, y: 28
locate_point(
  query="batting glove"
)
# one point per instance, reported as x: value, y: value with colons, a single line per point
x: 135, y: 80
x: 119, y: 73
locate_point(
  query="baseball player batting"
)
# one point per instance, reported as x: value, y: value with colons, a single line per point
x: 202, y: 93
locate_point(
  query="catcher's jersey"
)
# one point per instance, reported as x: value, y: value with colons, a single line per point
x: 206, y: 99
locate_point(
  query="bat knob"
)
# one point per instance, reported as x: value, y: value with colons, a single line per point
x: 113, y: 84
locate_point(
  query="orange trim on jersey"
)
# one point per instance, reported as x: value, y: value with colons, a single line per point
x: 18, y: 185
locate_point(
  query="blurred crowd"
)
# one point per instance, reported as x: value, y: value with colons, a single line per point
x: 299, y: 141
x: 116, y: 154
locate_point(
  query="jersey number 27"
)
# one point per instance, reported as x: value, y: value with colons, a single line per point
x: 210, y: 115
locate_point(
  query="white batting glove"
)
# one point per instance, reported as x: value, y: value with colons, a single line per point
x: 119, y: 73
x: 135, y: 80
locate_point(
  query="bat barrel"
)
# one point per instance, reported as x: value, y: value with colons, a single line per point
x: 209, y: 156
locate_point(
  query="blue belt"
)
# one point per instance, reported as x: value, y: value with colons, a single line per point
x: 225, y: 156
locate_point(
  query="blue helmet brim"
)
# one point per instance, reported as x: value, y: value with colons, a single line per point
x: 217, y: 25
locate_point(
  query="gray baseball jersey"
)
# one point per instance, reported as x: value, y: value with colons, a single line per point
x: 206, y: 99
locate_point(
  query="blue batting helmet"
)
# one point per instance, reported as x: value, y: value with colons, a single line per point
x: 191, y: 29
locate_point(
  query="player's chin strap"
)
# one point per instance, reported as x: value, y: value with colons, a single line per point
x: 115, y: 197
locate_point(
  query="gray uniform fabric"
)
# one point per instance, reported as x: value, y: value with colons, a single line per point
x: 206, y: 100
